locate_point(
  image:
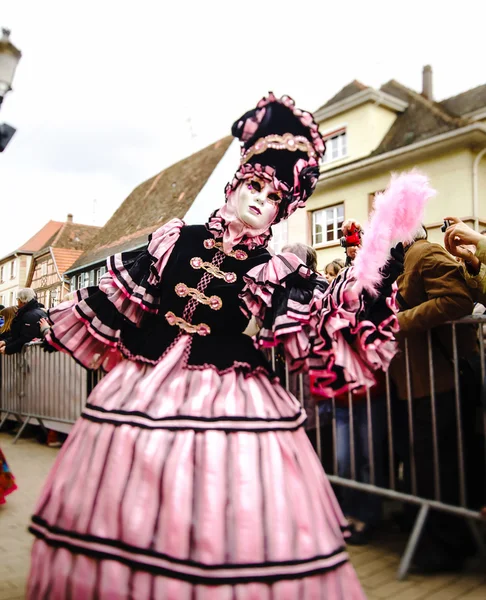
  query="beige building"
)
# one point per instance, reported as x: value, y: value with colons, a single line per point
x: 373, y: 132
x: 15, y: 266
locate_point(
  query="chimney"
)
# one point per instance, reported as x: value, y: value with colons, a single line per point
x: 69, y: 218
x: 427, y: 82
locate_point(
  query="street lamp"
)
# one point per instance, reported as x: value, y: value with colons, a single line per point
x: 9, y: 59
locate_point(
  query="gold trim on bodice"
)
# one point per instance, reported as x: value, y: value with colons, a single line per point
x: 200, y: 329
x: 213, y: 302
x: 212, y: 243
x: 199, y: 263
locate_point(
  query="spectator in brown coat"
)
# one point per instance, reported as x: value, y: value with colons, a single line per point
x: 431, y: 292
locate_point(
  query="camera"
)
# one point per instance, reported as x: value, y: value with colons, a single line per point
x: 352, y: 239
x: 447, y: 224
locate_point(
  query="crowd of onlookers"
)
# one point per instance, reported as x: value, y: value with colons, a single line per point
x: 20, y: 325
x: 430, y: 453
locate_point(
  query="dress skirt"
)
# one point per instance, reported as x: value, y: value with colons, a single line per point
x: 180, y: 483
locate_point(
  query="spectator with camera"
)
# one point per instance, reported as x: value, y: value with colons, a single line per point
x: 470, y: 247
x: 351, y: 240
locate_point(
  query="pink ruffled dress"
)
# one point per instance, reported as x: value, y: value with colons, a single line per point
x: 189, y: 475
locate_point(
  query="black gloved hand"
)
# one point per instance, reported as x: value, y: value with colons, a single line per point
x: 394, y: 267
x: 377, y: 310
x: 398, y: 253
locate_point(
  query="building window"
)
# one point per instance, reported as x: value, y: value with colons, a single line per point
x: 54, y: 297
x: 83, y: 280
x: 72, y: 284
x: 371, y: 199
x: 336, y: 145
x: 13, y: 269
x: 99, y: 274
x: 327, y: 223
x: 280, y: 236
x: 12, y: 298
x: 44, y: 268
x: 1, y: 274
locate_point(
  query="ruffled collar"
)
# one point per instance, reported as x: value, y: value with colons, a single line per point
x: 225, y: 225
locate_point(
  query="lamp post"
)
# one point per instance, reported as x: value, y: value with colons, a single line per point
x: 9, y: 59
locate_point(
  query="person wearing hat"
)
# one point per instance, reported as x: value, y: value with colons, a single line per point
x: 189, y: 474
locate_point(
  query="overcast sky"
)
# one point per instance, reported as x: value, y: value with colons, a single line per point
x: 108, y: 93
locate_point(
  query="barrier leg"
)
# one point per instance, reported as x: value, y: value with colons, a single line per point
x: 42, y: 426
x: 2, y: 422
x: 24, y: 425
x: 412, y: 542
x: 7, y: 414
x: 478, y: 537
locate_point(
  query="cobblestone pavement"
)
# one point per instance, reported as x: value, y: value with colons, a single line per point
x: 376, y: 563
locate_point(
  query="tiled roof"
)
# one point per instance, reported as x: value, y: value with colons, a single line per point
x: 64, y: 258
x: 42, y: 238
x: 75, y: 236
x: 166, y: 196
x: 466, y: 102
x: 348, y: 90
x: 422, y: 119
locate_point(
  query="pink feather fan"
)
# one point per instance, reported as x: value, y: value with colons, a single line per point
x: 397, y: 215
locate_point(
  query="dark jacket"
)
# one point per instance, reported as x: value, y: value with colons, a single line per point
x: 432, y: 291
x: 25, y: 327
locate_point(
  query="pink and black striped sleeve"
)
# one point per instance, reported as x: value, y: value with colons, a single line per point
x: 340, y: 339
x: 89, y: 327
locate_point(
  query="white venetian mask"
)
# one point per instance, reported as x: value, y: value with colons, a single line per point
x: 257, y: 203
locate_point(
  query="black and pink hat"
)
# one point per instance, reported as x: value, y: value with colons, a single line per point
x: 282, y: 144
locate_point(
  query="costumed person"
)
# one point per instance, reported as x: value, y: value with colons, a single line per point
x: 189, y: 474
x: 7, y: 480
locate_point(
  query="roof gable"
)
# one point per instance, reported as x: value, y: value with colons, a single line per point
x: 347, y: 91
x: 42, y: 238
x: 64, y: 258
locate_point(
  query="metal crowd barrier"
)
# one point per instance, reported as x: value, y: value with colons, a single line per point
x: 40, y: 386
x: 53, y: 387
x: 394, y: 487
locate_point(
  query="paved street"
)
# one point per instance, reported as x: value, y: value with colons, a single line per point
x: 376, y: 564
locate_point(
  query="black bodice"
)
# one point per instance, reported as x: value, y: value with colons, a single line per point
x: 224, y: 346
